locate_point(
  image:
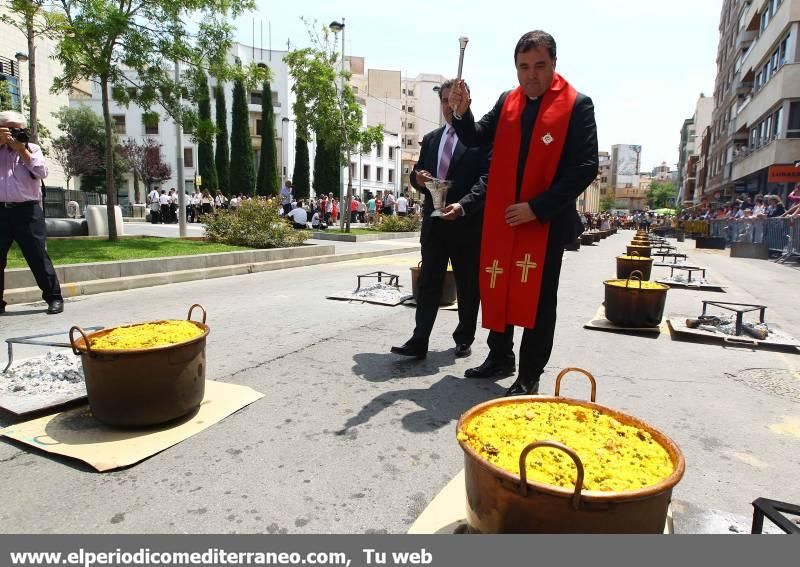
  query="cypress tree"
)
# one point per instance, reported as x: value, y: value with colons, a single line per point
x: 319, y: 169
x: 205, y: 151
x: 242, y: 173
x: 222, y: 159
x: 268, y: 177
x: 300, y: 175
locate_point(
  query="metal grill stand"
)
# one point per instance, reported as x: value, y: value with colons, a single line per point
x: 393, y: 279
x: 739, y: 308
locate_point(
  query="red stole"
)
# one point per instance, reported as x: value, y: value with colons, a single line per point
x: 512, y: 259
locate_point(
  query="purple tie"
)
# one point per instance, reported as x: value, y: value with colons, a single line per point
x: 447, y: 153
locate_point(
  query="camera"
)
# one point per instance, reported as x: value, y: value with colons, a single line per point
x: 20, y: 135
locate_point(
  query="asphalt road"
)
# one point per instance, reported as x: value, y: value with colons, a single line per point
x: 350, y: 439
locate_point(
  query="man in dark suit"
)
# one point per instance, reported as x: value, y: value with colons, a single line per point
x: 455, y: 237
x: 539, y: 177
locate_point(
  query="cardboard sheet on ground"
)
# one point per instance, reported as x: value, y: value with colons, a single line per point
x: 77, y: 434
x: 413, y: 303
x: 706, y: 286
x: 447, y: 511
x: 776, y: 337
x: 391, y: 300
x: 600, y: 323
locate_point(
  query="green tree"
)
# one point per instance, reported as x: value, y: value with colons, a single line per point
x: 326, y: 169
x: 268, y: 182
x: 607, y: 203
x: 301, y: 174
x: 242, y: 173
x: 323, y: 107
x: 36, y: 19
x: 661, y: 194
x: 205, y: 149
x: 6, y: 102
x: 124, y: 46
x: 222, y: 158
x: 82, y: 141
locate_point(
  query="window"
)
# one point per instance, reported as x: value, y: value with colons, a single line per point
x: 258, y: 127
x: 366, y: 172
x: 604, y: 180
x: 256, y: 97
x: 188, y: 158
x: 353, y: 170
x: 410, y: 125
x: 391, y: 176
x: 378, y: 174
x: 406, y: 170
x: 776, y: 123
x: 119, y: 123
x: 794, y: 121
x: 411, y: 109
x: 391, y: 152
x: 379, y: 149
x: 403, y: 107
x: 150, y: 121
x: 410, y: 92
x: 131, y: 92
x: 404, y: 91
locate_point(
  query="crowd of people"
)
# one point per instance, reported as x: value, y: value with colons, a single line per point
x: 317, y: 212
x: 757, y: 207
x: 326, y: 210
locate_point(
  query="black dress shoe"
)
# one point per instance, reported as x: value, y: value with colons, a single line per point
x: 463, y: 351
x: 55, y: 307
x: 411, y: 350
x: 2, y: 309
x: 492, y: 368
x: 523, y: 387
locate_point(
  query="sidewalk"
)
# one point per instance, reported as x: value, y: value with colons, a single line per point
x: 343, y: 252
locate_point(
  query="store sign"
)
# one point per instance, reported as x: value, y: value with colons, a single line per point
x: 784, y: 174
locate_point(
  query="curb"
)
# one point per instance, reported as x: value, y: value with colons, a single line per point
x: 34, y: 294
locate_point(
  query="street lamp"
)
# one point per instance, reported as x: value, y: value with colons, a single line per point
x: 21, y: 58
x: 344, y: 225
x: 285, y: 135
x: 398, y: 172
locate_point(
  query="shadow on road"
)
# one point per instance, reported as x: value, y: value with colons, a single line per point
x: 382, y: 367
x: 441, y: 404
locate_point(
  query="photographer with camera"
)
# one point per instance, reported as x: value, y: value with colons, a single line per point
x: 22, y: 169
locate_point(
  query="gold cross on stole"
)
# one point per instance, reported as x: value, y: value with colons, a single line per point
x: 526, y: 266
x: 495, y: 270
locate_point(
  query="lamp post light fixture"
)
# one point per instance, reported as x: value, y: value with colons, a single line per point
x: 285, y: 147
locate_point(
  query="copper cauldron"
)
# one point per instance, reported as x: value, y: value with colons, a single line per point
x: 501, y: 502
x: 143, y: 387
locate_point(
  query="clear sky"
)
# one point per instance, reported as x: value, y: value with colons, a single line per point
x: 644, y: 63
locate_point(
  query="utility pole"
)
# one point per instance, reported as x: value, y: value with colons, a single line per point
x: 179, y: 157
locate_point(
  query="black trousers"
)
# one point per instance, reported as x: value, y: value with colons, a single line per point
x: 537, y: 343
x: 25, y: 226
x: 461, y: 244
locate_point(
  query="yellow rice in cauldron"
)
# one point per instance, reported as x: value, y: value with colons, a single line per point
x: 616, y: 457
x: 147, y: 335
x: 634, y: 284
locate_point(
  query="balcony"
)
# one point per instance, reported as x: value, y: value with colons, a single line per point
x: 745, y: 38
x: 742, y: 87
x: 785, y: 84
x: 781, y: 151
x: 787, y: 13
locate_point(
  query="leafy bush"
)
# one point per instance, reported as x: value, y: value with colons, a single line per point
x: 394, y: 223
x: 257, y: 223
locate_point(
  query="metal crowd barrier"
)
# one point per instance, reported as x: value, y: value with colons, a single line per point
x: 779, y: 234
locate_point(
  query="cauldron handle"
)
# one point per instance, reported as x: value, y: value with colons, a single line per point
x: 523, y: 472
x: 189, y: 316
x: 582, y: 371
x: 85, y: 341
x: 631, y: 277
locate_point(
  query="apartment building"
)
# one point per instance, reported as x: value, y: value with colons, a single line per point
x: 690, y: 149
x: 755, y: 131
x: 133, y: 122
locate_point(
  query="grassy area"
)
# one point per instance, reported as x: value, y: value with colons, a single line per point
x: 87, y: 251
